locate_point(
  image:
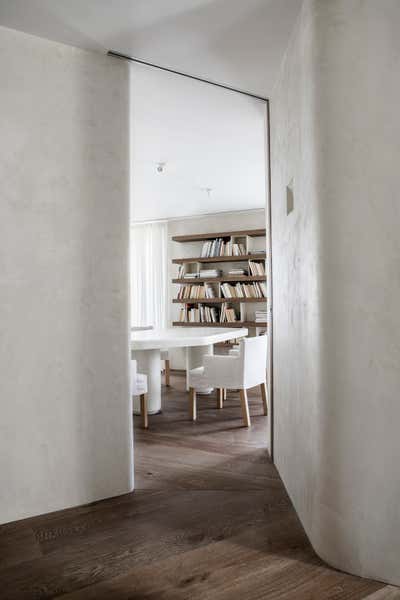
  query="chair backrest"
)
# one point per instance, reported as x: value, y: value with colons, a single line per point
x: 253, y: 353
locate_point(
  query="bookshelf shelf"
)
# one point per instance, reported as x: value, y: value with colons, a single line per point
x: 225, y: 278
x: 203, y: 237
x: 216, y: 300
x: 217, y: 259
x: 241, y: 273
x: 233, y: 324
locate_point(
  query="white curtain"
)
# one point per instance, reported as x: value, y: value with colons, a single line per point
x: 149, y: 293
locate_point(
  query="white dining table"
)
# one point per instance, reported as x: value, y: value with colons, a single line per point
x: 198, y: 341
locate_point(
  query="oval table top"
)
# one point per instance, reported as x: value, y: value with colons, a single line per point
x: 176, y: 337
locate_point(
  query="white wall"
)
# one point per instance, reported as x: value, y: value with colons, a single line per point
x: 335, y: 130
x: 227, y: 221
x: 65, y: 426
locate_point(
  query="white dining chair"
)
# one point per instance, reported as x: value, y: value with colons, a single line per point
x: 139, y: 388
x: 243, y: 369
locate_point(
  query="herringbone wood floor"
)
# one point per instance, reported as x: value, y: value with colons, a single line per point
x: 209, y: 520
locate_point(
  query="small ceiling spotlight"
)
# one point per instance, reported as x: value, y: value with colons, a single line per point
x: 208, y: 190
x: 161, y: 167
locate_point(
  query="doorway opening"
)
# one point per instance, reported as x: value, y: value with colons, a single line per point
x: 200, y: 283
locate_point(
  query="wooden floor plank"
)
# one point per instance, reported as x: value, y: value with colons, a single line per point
x: 209, y: 520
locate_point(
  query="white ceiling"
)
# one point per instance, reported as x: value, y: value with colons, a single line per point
x: 207, y: 136
x: 236, y: 42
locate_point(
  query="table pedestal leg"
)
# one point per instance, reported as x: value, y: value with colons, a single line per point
x: 149, y: 363
x: 194, y: 359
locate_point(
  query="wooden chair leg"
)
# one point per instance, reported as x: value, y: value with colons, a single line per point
x: 245, y: 408
x: 167, y: 372
x: 264, y: 397
x: 220, y: 398
x: 193, y: 407
x: 143, y: 410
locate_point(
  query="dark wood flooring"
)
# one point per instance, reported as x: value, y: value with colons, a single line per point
x: 209, y: 520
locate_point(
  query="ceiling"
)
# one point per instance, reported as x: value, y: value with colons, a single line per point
x: 211, y: 140
x: 236, y: 42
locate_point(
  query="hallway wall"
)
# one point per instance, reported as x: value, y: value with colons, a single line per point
x: 336, y: 140
x: 65, y: 426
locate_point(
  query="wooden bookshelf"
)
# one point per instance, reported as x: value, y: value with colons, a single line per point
x: 220, y: 259
x: 250, y: 242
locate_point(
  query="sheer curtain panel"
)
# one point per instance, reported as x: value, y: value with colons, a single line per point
x: 149, y: 274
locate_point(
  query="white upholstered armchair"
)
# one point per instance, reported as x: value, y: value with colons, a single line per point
x: 243, y: 369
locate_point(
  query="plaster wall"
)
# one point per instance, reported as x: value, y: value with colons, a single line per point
x: 336, y: 140
x: 65, y: 419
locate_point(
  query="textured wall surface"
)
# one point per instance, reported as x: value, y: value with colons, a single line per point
x: 65, y: 427
x: 336, y: 132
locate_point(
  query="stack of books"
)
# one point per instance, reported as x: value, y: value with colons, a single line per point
x: 237, y: 272
x: 256, y: 268
x: 261, y: 316
x: 191, y: 275
x: 210, y: 273
x: 244, y: 290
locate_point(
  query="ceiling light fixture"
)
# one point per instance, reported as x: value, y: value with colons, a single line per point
x: 161, y: 167
x: 208, y: 190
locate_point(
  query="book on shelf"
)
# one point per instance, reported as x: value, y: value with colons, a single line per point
x: 200, y: 314
x: 182, y: 274
x: 244, y: 290
x: 238, y: 250
x: 220, y: 247
x: 228, y: 315
x: 207, y: 314
x: 261, y: 316
x: 256, y: 268
x: 195, y: 292
x: 209, y: 273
